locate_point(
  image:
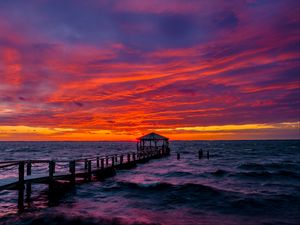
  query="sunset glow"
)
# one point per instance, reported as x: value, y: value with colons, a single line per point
x: 115, y: 70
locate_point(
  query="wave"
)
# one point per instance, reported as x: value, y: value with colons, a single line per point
x: 219, y: 172
x: 268, y: 166
x: 163, y: 194
x: 178, y: 174
x: 163, y: 186
x: 63, y: 219
x: 266, y: 174
x: 261, y: 204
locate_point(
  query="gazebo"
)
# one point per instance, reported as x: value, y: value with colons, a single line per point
x: 152, y: 141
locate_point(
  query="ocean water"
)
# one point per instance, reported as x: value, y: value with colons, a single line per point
x: 243, y: 182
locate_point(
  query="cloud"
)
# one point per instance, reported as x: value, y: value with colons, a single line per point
x: 134, y: 66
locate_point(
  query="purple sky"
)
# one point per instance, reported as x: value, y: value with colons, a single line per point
x: 114, y: 70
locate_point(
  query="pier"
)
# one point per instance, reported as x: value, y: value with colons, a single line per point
x: 59, y: 174
x: 85, y: 168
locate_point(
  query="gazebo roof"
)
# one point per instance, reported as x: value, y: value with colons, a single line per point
x: 152, y: 136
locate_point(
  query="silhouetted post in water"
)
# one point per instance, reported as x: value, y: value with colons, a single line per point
x: 28, y: 185
x: 178, y: 155
x: 128, y: 157
x: 20, y: 200
x: 28, y: 168
x: 51, y: 170
x: 98, y: 162
x: 112, y: 161
x: 28, y: 192
x: 72, y: 171
x: 102, y: 164
x: 200, y: 154
x: 121, y: 159
x: 106, y: 161
x: 133, y: 156
x: 116, y: 158
x: 207, y: 154
x: 21, y: 175
x: 89, y: 170
x: 85, y: 164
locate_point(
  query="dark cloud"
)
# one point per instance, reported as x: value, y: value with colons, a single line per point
x: 78, y: 104
x: 226, y: 19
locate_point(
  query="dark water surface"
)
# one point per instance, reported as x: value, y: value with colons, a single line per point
x: 243, y: 182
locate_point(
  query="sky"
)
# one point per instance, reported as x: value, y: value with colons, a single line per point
x: 118, y: 69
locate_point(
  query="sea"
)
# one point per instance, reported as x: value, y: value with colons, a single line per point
x: 242, y: 182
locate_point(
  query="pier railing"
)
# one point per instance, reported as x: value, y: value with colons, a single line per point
x: 14, y: 174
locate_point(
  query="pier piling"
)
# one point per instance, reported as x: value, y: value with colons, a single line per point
x: 28, y: 169
x: 128, y: 157
x: 133, y: 156
x: 72, y: 166
x: 98, y: 165
x: 85, y: 164
x: 200, y: 154
x: 21, y: 175
x: 102, y: 164
x: 51, y: 170
x: 89, y: 174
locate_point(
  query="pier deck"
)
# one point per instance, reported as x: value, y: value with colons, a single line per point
x: 86, y: 168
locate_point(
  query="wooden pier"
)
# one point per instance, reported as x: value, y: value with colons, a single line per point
x: 55, y: 172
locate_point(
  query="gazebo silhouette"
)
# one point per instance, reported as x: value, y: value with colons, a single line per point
x: 152, y: 141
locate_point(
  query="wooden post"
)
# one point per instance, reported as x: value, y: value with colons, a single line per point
x: 116, y: 158
x: 133, y: 156
x: 72, y: 165
x: 102, y: 164
x: 112, y: 161
x: 121, y: 159
x: 28, y: 192
x: 89, y: 170
x: 28, y: 169
x: 106, y: 161
x: 98, y: 163
x: 207, y: 154
x: 21, y: 175
x: 200, y: 154
x: 28, y: 185
x: 51, y: 170
x: 85, y: 164
x: 178, y: 155
x: 21, y: 200
x: 128, y: 157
